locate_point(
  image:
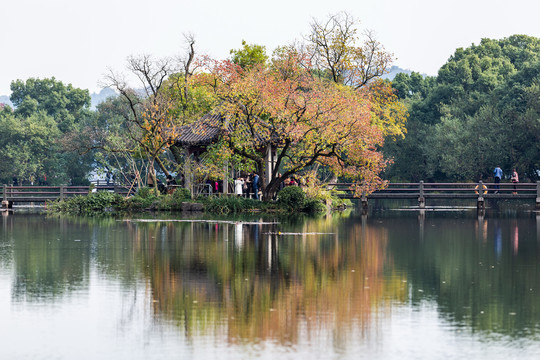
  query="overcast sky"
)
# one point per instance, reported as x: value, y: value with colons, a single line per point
x: 76, y: 41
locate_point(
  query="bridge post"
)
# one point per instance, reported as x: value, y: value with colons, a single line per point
x: 5, y: 202
x: 480, y: 203
x: 421, y: 199
x: 538, y: 195
x: 62, y: 192
x: 364, y: 201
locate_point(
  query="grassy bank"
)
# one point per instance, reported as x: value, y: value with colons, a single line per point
x: 290, y: 199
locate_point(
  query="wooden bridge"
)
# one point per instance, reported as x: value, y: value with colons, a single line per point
x: 420, y: 191
x: 42, y: 194
x: 425, y: 191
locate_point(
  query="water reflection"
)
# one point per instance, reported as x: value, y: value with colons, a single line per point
x: 288, y: 282
x: 266, y: 286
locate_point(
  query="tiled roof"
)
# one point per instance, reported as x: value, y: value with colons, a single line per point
x: 204, y: 131
x: 207, y: 130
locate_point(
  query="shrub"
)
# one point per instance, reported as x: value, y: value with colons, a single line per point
x: 292, y: 198
x: 181, y: 194
x: 93, y: 203
x: 313, y: 206
x: 144, y: 198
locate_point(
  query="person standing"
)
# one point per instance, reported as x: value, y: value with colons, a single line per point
x: 497, y: 174
x: 256, y: 185
x: 238, y: 185
x: 515, y: 180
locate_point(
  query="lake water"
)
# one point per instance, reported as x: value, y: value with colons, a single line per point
x: 389, y: 285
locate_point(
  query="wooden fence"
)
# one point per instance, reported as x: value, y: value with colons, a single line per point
x: 41, y: 194
x: 420, y: 191
x: 424, y: 191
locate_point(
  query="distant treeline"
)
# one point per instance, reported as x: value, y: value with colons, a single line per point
x: 480, y: 111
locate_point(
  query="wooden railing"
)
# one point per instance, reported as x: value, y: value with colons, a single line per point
x: 420, y: 191
x: 423, y: 191
x: 41, y: 194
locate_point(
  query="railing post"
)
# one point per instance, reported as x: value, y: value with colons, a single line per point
x: 538, y: 195
x: 5, y: 202
x: 364, y: 201
x: 421, y: 199
x: 62, y: 192
x: 480, y: 204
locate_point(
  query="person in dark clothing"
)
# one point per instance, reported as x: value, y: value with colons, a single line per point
x: 171, y: 184
x: 170, y: 180
x: 256, y: 185
x: 161, y: 187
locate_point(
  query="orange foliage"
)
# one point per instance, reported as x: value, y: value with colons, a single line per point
x: 311, y: 120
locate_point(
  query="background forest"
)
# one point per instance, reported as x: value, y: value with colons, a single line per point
x: 482, y: 110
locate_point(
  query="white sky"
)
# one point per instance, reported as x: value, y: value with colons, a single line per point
x: 76, y: 41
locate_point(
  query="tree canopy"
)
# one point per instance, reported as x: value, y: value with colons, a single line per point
x: 34, y: 137
x: 481, y: 110
x: 310, y: 120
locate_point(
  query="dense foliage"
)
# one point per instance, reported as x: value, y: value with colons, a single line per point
x: 482, y: 110
x: 104, y: 201
x: 36, y: 137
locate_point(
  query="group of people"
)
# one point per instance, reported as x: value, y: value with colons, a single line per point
x: 497, y: 176
x: 251, y: 185
x: 247, y: 186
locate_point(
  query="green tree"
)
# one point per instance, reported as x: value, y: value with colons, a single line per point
x: 249, y: 55
x: 480, y: 111
x: 26, y: 146
x: 47, y: 150
x: 64, y: 103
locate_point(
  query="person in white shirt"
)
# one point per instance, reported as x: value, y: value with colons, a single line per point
x: 238, y: 185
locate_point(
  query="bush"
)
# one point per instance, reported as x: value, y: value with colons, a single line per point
x: 144, y: 198
x: 313, y: 206
x: 292, y: 198
x: 181, y: 194
x: 93, y: 203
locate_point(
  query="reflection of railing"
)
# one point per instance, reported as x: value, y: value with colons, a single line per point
x: 40, y: 194
x: 423, y: 191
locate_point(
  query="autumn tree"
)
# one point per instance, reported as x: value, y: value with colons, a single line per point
x: 310, y: 120
x: 341, y: 54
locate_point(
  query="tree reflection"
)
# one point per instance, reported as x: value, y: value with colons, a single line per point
x: 251, y: 283
x: 483, y: 274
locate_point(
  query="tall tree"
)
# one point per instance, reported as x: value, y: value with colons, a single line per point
x: 337, y: 51
x: 150, y: 111
x: 310, y: 120
x: 63, y: 102
x: 53, y: 103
